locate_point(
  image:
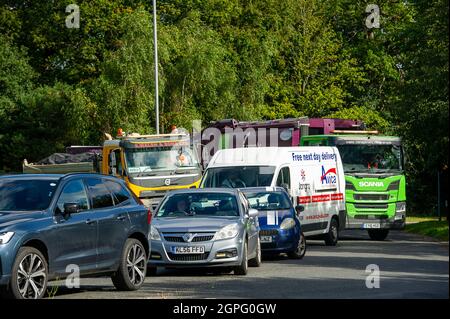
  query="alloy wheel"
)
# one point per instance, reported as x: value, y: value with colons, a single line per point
x: 31, y: 276
x: 136, y: 264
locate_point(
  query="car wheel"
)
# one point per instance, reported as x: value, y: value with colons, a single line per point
x: 331, y: 238
x: 242, y: 269
x: 29, y: 276
x: 132, y: 268
x: 300, y: 250
x: 151, y: 271
x: 378, y: 234
x: 256, y: 262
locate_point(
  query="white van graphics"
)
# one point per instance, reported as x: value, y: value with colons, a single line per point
x: 313, y: 176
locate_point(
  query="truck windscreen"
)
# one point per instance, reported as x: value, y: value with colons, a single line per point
x: 371, y: 157
x: 147, y: 160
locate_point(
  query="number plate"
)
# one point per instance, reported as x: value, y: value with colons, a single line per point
x: 371, y: 225
x: 188, y: 249
x: 266, y: 239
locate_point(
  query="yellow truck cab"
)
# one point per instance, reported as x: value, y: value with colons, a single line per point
x: 151, y: 165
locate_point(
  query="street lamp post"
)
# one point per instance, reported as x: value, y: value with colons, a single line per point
x: 155, y: 43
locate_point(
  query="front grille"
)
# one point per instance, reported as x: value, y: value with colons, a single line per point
x: 202, y: 238
x: 178, y: 238
x: 370, y: 196
x: 371, y: 206
x: 371, y: 217
x: 188, y: 257
x: 175, y: 239
x: 268, y: 232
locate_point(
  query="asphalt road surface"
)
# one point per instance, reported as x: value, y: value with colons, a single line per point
x: 410, y: 267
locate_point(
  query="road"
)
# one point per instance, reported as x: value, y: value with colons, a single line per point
x: 410, y: 267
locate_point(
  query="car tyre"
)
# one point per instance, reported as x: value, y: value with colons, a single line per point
x: 332, y: 237
x: 300, y: 250
x: 242, y: 269
x: 29, y: 276
x: 256, y: 262
x: 132, y: 268
x: 378, y: 234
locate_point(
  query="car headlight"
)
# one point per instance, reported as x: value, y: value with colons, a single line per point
x: 227, y: 232
x: 154, y: 233
x: 287, y: 223
x: 6, y: 237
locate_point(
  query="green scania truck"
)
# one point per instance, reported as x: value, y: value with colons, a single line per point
x: 375, y: 180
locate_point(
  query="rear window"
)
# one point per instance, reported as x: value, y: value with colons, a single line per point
x: 26, y: 195
x: 119, y: 192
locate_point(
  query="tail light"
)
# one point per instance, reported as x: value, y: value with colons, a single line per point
x: 149, y: 216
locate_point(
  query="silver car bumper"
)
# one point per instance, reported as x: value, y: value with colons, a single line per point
x: 218, y: 253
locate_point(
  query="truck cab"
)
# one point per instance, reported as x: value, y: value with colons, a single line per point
x: 375, y: 179
x: 151, y: 165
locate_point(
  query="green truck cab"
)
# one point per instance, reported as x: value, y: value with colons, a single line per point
x: 375, y: 181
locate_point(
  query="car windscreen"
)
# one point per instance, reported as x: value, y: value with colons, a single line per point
x: 238, y: 176
x: 268, y: 200
x: 199, y: 205
x: 26, y: 195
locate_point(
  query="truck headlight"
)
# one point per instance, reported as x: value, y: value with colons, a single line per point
x: 400, y: 210
x: 400, y: 207
x: 229, y: 231
x: 287, y: 223
x: 5, y: 237
x: 154, y: 233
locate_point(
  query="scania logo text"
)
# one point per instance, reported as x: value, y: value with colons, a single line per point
x: 371, y: 184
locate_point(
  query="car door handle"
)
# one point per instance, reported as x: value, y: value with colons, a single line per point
x: 121, y: 217
x: 90, y: 221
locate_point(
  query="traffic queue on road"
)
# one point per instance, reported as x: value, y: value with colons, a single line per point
x: 144, y: 203
x: 243, y: 209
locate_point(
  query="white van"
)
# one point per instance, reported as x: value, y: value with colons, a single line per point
x: 313, y: 176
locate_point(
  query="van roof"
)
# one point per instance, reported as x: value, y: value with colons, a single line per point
x: 265, y: 156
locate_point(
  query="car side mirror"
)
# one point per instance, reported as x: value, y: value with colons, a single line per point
x: 252, y: 212
x: 285, y: 186
x: 299, y: 209
x: 71, y: 208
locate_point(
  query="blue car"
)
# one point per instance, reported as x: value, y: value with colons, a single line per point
x: 52, y: 225
x: 278, y: 220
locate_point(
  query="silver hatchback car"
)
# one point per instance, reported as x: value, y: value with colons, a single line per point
x: 205, y: 228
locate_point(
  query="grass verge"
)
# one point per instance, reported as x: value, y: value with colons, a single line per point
x: 435, y: 229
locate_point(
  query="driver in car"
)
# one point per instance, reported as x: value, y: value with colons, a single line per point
x: 183, y: 158
x: 233, y: 181
x: 182, y: 206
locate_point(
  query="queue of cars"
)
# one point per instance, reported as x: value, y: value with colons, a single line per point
x: 244, y: 208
